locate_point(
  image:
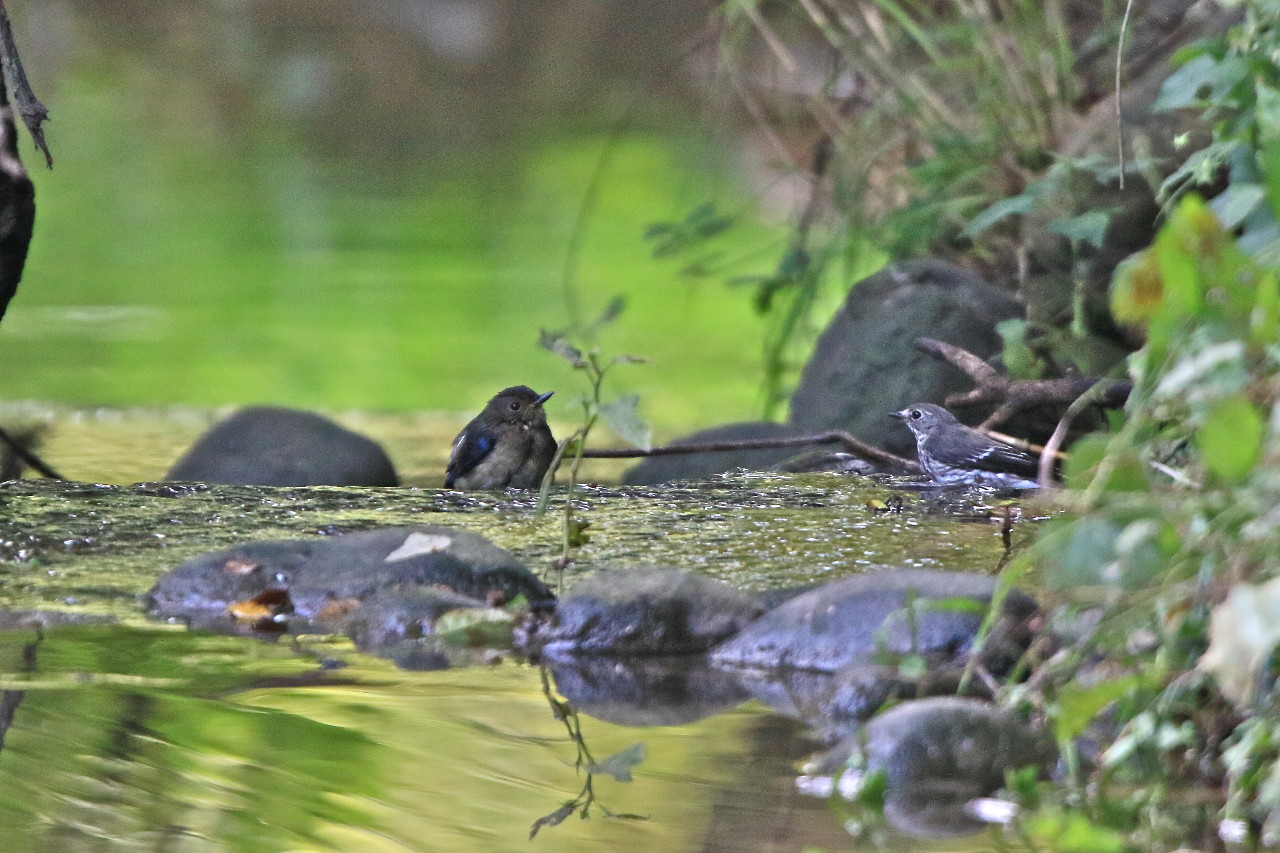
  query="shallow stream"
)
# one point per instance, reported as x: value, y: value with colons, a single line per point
x: 134, y: 734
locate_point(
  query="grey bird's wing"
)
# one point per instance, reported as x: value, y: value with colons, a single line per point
x: 986, y: 454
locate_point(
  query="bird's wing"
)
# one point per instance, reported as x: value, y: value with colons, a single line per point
x: 469, y: 450
x: 1004, y: 459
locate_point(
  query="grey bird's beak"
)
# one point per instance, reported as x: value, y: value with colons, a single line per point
x: 902, y: 416
x: 542, y: 399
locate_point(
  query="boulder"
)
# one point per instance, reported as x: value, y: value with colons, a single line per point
x: 937, y: 754
x: 326, y: 578
x: 865, y: 364
x: 695, y: 466
x: 855, y: 620
x: 642, y: 612
x: 268, y: 446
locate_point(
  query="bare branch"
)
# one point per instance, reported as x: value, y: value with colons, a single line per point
x: 1012, y: 396
x: 32, y: 112
x: 848, y: 441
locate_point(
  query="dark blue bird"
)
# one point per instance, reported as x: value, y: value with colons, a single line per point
x: 507, y: 446
x: 956, y: 455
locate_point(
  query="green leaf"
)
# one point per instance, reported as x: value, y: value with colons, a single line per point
x: 558, y: 345
x: 1077, y: 706
x: 1203, y: 79
x: 623, y: 419
x: 620, y: 764
x: 1088, y: 227
x: 1230, y: 439
x: 1235, y: 203
x: 1019, y: 204
x: 1072, y: 832
x: 1085, y: 455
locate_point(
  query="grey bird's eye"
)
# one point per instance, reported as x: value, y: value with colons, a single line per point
x: 916, y: 414
x: 514, y: 405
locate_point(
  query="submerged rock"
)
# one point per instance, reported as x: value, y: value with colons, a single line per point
x: 642, y: 612
x: 327, y: 578
x: 698, y: 466
x: 269, y: 446
x: 848, y: 622
x: 936, y: 754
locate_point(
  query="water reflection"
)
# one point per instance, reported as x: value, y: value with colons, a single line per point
x: 169, y: 740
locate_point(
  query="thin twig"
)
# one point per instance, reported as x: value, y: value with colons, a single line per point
x: 28, y: 457
x: 1124, y: 29
x: 850, y: 442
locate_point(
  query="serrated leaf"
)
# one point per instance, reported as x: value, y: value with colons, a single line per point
x: 1230, y: 439
x: 1077, y: 706
x: 1204, y: 79
x: 620, y: 764
x: 623, y: 419
x: 556, y: 818
x: 1090, y: 227
x: 611, y: 311
x: 561, y: 347
x: 1002, y: 208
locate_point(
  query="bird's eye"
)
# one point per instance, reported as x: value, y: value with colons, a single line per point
x: 916, y: 414
x: 514, y: 405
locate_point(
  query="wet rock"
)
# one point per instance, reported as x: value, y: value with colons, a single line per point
x: 848, y: 622
x: 937, y: 754
x: 825, y: 462
x: 268, y: 446
x: 396, y: 615
x: 865, y: 364
x: 652, y: 691
x: 696, y: 466
x: 324, y: 575
x: 642, y: 612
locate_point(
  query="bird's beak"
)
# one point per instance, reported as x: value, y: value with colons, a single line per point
x: 902, y: 416
x: 542, y: 399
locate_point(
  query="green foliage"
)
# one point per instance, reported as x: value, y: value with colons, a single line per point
x: 621, y: 415
x: 1234, y: 78
x: 1171, y: 508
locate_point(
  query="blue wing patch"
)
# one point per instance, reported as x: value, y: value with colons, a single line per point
x: 468, y: 451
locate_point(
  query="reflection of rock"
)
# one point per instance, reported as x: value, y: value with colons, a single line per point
x: 695, y: 466
x: 654, y: 691
x: 835, y: 704
x: 865, y: 364
x: 392, y: 616
x: 267, y: 446
x: 642, y: 612
x: 321, y: 574
x: 937, y: 755
x: 848, y: 621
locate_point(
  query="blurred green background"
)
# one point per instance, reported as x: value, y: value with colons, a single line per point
x: 373, y: 205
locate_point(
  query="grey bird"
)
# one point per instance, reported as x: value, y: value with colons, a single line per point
x: 953, y: 454
x: 506, y: 446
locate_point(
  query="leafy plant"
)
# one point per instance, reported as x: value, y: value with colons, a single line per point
x: 621, y: 415
x: 1173, y: 533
